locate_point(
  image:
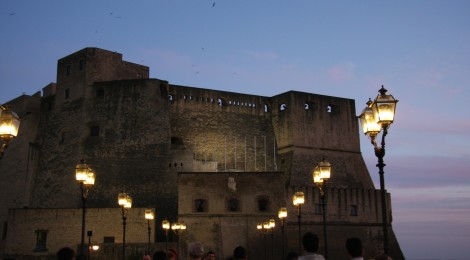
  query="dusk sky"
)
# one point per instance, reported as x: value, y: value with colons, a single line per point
x: 419, y: 50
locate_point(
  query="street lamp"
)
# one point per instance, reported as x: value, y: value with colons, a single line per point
x: 264, y: 228
x: 321, y: 175
x: 178, y: 228
x: 86, y: 178
x: 166, y: 227
x: 298, y: 200
x: 377, y: 116
x: 149, y: 215
x: 125, y: 201
x: 9, y: 125
x: 272, y: 224
x: 282, y: 214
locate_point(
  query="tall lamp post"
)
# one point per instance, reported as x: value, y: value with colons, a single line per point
x: 9, y: 125
x: 178, y: 228
x: 321, y: 174
x: 264, y: 228
x: 166, y: 227
x: 282, y: 214
x: 272, y: 224
x: 149, y: 215
x: 125, y: 201
x: 377, y: 116
x: 298, y: 200
x: 86, y: 178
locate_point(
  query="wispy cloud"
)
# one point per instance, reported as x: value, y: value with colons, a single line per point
x: 341, y: 72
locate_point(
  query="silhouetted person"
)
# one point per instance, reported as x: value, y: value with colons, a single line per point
x: 239, y: 253
x: 354, y: 247
x: 80, y: 257
x: 66, y: 253
x: 383, y: 257
x: 310, y: 243
x: 292, y: 256
x: 172, y: 254
x: 159, y: 255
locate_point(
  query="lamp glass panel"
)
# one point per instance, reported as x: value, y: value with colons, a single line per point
x: 149, y: 214
x: 90, y: 177
x: 9, y: 124
x: 298, y: 198
x: 272, y: 223
x: 369, y: 122
x: 325, y: 169
x: 81, y: 172
x: 128, y: 204
x: 384, y: 109
x: 165, y: 224
x: 282, y: 213
x: 122, y: 199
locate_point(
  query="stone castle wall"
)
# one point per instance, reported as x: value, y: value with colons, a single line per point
x: 140, y: 133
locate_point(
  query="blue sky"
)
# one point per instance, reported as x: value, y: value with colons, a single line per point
x: 420, y: 51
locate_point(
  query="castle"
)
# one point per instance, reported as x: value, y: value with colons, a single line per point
x: 176, y: 149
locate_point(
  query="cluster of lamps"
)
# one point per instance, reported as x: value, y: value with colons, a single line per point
x: 9, y: 125
x: 264, y: 228
x: 377, y: 117
x: 177, y: 227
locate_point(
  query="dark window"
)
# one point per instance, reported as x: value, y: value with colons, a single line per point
x: 67, y: 70
x: 95, y: 131
x: 200, y: 205
x: 353, y: 210
x: 263, y: 204
x: 318, y: 209
x: 4, y: 233
x: 41, y: 240
x: 233, y: 205
x: 67, y: 93
x: 109, y: 240
x: 81, y: 65
x: 140, y: 75
x: 100, y: 92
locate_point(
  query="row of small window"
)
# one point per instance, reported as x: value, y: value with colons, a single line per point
x: 222, y: 102
x: 232, y: 205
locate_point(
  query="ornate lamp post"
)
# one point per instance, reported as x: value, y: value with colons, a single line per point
x: 166, y: 227
x: 178, y: 228
x: 264, y: 228
x: 125, y: 201
x: 377, y: 116
x: 282, y: 214
x: 272, y: 224
x: 149, y: 215
x: 321, y: 174
x: 86, y: 178
x: 9, y: 125
x: 298, y: 200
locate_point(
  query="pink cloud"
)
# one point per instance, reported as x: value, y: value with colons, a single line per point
x: 341, y: 72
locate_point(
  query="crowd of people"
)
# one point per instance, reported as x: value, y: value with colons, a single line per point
x: 310, y: 244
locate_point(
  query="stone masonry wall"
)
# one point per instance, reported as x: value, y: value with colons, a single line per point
x: 63, y: 227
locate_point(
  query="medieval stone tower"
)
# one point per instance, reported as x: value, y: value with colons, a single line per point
x: 174, y: 149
